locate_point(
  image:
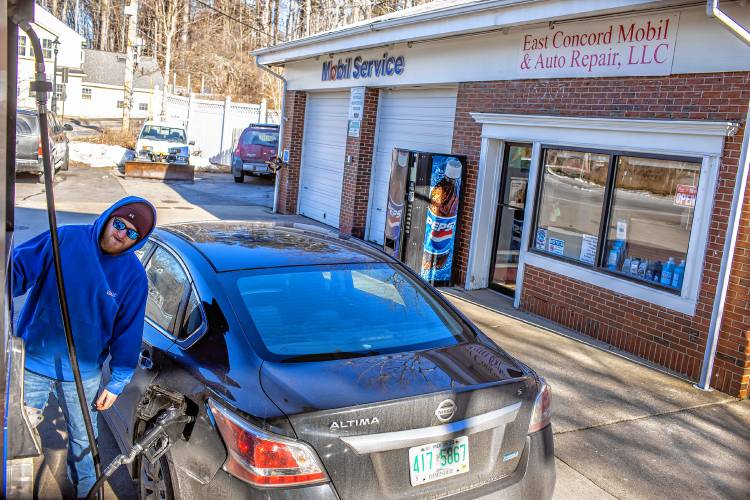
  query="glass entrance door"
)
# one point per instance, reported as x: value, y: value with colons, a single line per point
x: 509, y: 219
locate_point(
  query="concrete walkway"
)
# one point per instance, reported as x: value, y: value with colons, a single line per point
x: 623, y: 429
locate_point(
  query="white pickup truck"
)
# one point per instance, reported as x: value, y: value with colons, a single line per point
x: 156, y: 139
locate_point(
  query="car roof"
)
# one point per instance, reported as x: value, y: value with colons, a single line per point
x: 262, y: 125
x: 237, y: 245
x: 165, y: 124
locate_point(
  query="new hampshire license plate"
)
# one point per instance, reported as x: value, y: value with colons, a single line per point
x: 434, y: 461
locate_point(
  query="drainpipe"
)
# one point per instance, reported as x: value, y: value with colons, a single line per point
x: 738, y: 197
x: 282, y: 126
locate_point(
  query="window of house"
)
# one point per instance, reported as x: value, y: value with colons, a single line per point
x: 167, y: 282
x: 60, y: 92
x: 622, y: 213
x: 120, y: 104
x: 143, y: 106
x: 86, y: 93
x: 21, y: 45
x: 47, y: 48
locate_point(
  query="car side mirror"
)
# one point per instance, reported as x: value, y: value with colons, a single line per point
x: 191, y: 143
x: 68, y: 127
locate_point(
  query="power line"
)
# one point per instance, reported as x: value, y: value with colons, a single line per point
x: 211, y: 7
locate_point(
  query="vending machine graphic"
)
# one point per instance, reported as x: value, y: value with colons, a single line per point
x: 423, y: 209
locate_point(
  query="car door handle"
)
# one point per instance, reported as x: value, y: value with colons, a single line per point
x: 145, y: 361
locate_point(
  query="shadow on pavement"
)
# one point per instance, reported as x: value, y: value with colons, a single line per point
x: 629, y: 429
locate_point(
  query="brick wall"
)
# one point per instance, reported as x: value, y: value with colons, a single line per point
x: 288, y: 177
x: 355, y: 193
x: 673, y: 340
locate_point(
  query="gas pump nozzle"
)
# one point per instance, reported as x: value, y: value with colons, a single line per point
x: 169, y: 424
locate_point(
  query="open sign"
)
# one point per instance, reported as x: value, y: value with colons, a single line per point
x: 685, y: 195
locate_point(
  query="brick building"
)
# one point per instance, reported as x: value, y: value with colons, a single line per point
x: 602, y: 145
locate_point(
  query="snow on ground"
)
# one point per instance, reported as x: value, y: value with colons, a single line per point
x: 104, y: 156
x: 99, y: 155
x: 199, y: 162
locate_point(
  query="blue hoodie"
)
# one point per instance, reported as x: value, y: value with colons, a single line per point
x: 106, y: 299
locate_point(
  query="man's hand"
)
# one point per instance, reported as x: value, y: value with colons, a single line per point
x: 105, y: 400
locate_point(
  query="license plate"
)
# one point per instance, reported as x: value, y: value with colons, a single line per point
x: 256, y: 168
x: 434, y: 461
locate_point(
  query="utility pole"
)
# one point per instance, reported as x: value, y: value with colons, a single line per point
x: 55, y: 44
x: 131, y: 11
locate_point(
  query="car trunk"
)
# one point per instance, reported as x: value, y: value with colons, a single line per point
x: 27, y: 137
x: 363, y: 415
x: 254, y: 153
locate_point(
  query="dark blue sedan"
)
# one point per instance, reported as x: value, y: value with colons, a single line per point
x: 318, y: 367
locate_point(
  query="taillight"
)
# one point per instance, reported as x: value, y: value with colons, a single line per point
x: 39, y: 152
x: 542, y: 412
x: 262, y: 458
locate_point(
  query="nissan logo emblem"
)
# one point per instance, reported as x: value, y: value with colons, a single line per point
x: 446, y: 410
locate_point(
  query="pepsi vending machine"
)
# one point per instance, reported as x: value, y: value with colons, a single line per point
x: 424, y: 203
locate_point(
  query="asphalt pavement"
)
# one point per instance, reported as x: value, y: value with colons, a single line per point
x: 623, y: 428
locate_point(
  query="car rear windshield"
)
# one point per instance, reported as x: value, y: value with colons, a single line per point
x: 268, y: 138
x: 25, y: 124
x: 332, y: 312
x: 157, y: 133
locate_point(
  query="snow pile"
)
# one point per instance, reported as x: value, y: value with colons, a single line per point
x: 99, y: 155
x: 199, y: 162
x: 204, y: 165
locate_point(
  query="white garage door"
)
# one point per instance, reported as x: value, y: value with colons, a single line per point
x: 416, y: 119
x: 323, y: 150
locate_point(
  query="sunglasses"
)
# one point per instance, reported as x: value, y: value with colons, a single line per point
x: 119, y: 224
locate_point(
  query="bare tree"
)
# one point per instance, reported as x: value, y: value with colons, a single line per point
x: 211, y: 40
x: 104, y: 25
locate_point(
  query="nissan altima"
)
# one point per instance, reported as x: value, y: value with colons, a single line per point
x: 318, y: 367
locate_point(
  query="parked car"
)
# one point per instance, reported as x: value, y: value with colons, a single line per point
x: 156, y: 139
x: 29, y: 143
x: 318, y: 367
x: 255, y: 147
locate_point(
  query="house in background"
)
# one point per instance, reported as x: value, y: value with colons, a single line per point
x: 90, y: 83
x: 68, y: 62
x: 102, y: 92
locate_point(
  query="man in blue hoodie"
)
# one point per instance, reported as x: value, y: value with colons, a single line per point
x: 106, y: 289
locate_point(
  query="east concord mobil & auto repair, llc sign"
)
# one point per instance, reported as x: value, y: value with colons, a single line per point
x: 360, y: 68
x: 621, y: 47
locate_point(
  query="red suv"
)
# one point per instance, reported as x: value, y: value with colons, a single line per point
x: 256, y: 146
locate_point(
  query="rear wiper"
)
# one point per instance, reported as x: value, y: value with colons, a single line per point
x: 328, y: 356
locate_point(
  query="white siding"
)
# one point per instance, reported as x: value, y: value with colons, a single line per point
x: 323, y: 150
x: 416, y: 119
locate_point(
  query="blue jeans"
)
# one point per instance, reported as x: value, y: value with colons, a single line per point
x: 37, y: 389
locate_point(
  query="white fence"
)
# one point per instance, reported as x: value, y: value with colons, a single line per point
x: 213, y: 125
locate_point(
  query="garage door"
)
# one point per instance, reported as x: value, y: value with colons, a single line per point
x: 416, y: 119
x: 323, y: 150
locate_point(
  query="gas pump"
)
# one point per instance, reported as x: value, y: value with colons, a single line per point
x: 164, y: 411
x: 21, y: 444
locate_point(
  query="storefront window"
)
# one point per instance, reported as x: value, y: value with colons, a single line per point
x: 570, y: 204
x: 653, y: 207
x: 648, y: 211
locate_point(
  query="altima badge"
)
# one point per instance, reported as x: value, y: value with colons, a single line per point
x: 359, y: 422
x: 446, y: 410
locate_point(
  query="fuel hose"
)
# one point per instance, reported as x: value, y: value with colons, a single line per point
x: 41, y: 86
